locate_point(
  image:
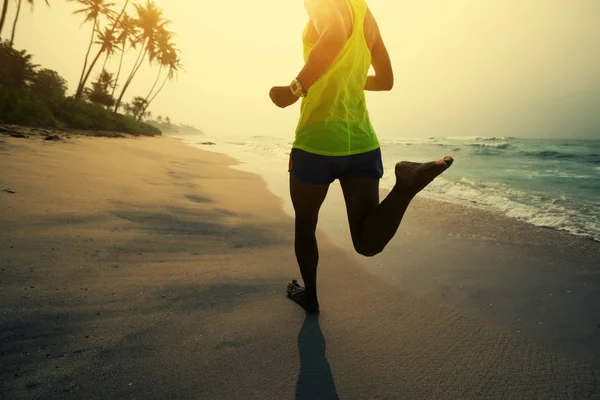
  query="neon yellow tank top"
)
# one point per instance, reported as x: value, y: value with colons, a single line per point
x: 334, y: 120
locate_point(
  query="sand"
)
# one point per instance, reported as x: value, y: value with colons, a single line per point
x: 146, y: 269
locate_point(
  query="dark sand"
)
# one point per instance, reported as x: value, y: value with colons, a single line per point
x: 144, y: 269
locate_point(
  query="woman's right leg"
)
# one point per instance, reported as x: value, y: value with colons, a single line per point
x: 307, y: 199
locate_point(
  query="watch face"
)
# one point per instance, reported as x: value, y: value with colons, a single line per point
x: 296, y: 88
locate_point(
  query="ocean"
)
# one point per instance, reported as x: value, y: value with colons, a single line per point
x: 545, y: 182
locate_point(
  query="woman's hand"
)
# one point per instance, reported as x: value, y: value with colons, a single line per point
x: 282, y: 96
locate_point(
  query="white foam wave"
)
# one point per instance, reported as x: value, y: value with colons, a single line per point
x: 532, y: 208
x: 557, y: 174
x: 407, y: 141
x: 481, y: 138
x: 499, y: 145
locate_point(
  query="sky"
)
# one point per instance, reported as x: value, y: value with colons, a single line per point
x: 523, y: 68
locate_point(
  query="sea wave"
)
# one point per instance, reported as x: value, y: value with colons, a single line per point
x: 482, y: 138
x: 508, y: 175
x: 534, y: 208
x: 540, y: 209
x: 499, y: 145
x: 557, y: 174
x: 592, y: 158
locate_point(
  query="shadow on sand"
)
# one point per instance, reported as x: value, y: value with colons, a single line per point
x: 315, y: 380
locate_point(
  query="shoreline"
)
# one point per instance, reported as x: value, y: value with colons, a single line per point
x: 252, y: 163
x: 26, y: 132
x: 143, y: 267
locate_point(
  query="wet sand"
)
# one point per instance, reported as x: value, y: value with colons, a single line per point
x: 143, y: 268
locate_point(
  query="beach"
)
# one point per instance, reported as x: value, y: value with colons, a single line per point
x: 142, y: 268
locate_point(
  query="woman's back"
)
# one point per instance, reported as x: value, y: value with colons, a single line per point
x: 370, y: 29
x: 334, y: 118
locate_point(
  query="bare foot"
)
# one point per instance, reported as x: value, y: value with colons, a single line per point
x: 414, y: 177
x: 299, y: 295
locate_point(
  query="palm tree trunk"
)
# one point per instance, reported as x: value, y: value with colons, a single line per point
x: 152, y: 90
x: 104, y: 69
x: 105, y: 61
x: 89, y: 71
x: 119, y: 70
x: 3, y: 15
x: 156, y: 94
x: 87, y: 75
x: 87, y: 55
x: 136, y: 67
x: 128, y: 80
x: 12, y: 36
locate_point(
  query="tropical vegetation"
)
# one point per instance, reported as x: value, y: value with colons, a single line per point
x: 37, y: 96
x: 166, y: 125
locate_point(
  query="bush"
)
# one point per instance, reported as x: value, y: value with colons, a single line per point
x: 37, y: 98
x: 19, y: 106
x: 49, y: 84
x: 79, y: 115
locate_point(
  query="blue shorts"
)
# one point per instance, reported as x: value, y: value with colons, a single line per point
x: 318, y: 169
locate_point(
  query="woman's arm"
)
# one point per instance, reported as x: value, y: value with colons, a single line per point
x: 328, y: 20
x: 329, y: 23
x: 383, y: 79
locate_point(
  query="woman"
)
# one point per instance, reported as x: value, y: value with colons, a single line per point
x: 335, y: 139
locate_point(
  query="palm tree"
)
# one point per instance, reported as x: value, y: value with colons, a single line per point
x: 92, y: 11
x: 14, y: 28
x: 174, y: 65
x: 150, y: 20
x: 108, y: 44
x: 127, y: 31
x: 136, y: 106
x: 3, y: 15
x: 99, y: 94
x: 160, y: 51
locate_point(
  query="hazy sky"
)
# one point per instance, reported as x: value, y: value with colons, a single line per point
x: 527, y: 68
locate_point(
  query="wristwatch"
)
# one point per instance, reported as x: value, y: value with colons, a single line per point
x: 296, y: 88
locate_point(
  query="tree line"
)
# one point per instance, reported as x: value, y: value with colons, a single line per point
x: 138, y: 28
